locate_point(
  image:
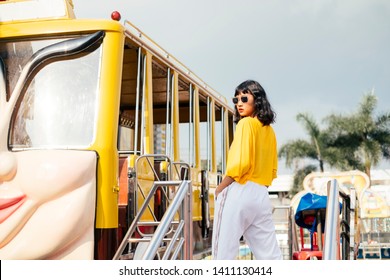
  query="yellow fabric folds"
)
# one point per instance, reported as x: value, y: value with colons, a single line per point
x: 253, y: 153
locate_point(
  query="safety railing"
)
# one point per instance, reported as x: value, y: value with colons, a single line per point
x: 175, y: 227
x: 339, y: 232
x: 178, y: 236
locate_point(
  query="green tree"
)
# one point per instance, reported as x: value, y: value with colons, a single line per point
x: 302, y: 149
x: 359, y: 140
x: 299, y: 176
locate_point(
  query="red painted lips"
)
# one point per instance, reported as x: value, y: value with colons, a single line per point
x: 9, y: 206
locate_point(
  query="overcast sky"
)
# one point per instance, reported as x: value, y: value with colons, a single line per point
x: 315, y: 56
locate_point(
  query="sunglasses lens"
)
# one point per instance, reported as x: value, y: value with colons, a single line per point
x: 244, y: 99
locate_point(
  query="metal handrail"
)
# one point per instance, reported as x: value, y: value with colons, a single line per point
x: 181, y: 203
x: 161, y: 230
x: 147, y: 157
x: 134, y: 224
x: 332, y: 224
x: 182, y: 195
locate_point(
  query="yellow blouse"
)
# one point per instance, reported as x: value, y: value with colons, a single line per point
x: 253, y: 153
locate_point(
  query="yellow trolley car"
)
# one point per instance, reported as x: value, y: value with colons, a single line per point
x: 92, y: 114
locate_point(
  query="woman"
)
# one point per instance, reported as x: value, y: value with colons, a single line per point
x: 243, y: 207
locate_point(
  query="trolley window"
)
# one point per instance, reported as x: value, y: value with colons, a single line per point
x: 205, y: 132
x: 186, y: 130
x: 131, y: 100
x: 57, y: 107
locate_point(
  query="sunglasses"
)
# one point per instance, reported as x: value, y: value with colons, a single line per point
x: 244, y: 99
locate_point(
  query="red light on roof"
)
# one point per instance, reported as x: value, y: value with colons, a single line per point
x: 115, y: 15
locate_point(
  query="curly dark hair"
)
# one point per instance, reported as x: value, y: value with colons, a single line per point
x: 263, y: 110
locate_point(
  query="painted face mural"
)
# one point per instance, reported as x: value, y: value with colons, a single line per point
x: 47, y: 174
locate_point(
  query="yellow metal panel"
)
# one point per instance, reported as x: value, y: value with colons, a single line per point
x: 213, y: 151
x: 57, y: 27
x: 107, y: 129
x: 175, y: 120
x: 146, y: 186
x: 148, y: 114
x: 196, y: 191
x: 196, y: 127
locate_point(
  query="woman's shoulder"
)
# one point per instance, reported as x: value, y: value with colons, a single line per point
x: 249, y: 124
x: 253, y: 122
x: 249, y: 120
x: 256, y: 124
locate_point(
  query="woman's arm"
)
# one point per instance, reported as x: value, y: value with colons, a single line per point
x: 224, y: 183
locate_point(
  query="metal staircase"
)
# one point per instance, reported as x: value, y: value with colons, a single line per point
x: 172, y: 237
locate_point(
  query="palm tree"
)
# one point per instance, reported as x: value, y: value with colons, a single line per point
x: 360, y: 139
x: 299, y: 177
x: 301, y: 149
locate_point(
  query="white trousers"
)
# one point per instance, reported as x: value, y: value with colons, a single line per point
x: 244, y: 210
